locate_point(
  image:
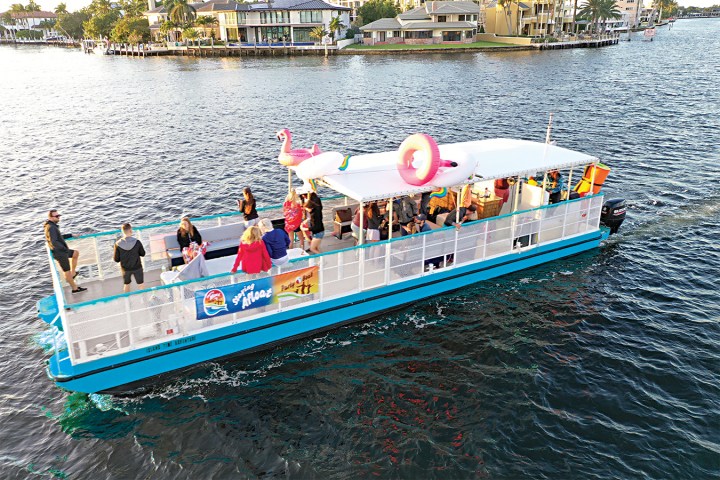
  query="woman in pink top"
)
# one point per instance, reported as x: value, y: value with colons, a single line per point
x: 293, y: 212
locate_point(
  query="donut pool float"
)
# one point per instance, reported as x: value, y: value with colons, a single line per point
x: 427, y: 170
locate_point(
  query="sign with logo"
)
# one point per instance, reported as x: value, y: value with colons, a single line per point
x: 228, y: 299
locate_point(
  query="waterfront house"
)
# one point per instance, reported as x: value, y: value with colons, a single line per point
x: 39, y: 21
x: 288, y: 21
x: 433, y: 22
x: 535, y: 18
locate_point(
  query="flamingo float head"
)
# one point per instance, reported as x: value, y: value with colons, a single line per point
x: 283, y: 135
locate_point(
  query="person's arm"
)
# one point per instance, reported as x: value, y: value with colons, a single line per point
x: 179, y: 239
x: 287, y: 239
x: 57, y: 240
x: 116, y: 254
x: 141, y: 252
x: 238, y: 259
x: 197, y: 235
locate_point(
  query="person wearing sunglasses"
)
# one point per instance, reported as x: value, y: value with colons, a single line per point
x: 66, y: 257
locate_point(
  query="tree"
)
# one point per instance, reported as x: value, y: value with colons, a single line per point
x: 17, y: 7
x: 375, y: 10
x: 598, y: 10
x: 206, y: 21
x: 101, y: 26
x: 191, y: 34
x: 318, y: 33
x: 133, y: 8
x: 61, y: 9
x: 507, y: 9
x: 32, y: 7
x: 180, y: 11
x: 167, y: 27
x: 336, y: 25
x: 71, y: 24
x: 127, y: 27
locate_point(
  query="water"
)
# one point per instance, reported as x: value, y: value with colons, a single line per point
x: 600, y: 366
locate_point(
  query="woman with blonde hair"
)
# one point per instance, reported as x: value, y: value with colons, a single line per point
x: 252, y: 253
x: 293, y: 213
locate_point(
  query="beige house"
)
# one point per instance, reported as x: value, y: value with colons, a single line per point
x: 434, y: 22
x: 536, y: 18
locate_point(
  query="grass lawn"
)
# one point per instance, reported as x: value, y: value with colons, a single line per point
x: 438, y: 46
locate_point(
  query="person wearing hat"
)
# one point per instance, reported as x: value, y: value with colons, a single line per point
x: 277, y: 241
x: 418, y: 225
x: 66, y: 257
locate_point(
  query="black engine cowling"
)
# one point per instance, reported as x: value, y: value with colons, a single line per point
x: 613, y: 214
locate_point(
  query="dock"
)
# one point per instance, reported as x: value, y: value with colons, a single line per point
x: 580, y: 42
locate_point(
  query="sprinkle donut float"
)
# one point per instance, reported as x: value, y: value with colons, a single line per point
x: 431, y: 164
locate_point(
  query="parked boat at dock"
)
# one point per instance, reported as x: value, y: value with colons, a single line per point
x: 113, y: 342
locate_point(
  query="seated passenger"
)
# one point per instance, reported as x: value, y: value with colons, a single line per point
x: 355, y: 226
x: 187, y: 234
x: 277, y: 241
x: 421, y: 223
x: 252, y: 253
x: 465, y: 214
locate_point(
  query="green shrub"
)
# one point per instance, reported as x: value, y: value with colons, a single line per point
x: 351, y: 32
x: 29, y: 35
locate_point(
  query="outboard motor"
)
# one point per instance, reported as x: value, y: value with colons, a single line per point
x: 613, y: 214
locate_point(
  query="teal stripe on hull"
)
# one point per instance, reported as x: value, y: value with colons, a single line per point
x: 113, y: 372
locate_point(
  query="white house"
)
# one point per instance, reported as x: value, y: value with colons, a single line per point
x: 275, y: 21
x: 39, y: 21
x: 434, y: 22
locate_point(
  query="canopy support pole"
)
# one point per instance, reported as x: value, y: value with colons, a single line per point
x: 289, y: 181
x: 362, y: 223
x: 569, y: 185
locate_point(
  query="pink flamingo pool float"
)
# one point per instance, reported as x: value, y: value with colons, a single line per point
x: 290, y: 157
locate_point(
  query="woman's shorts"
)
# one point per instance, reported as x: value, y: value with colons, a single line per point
x: 319, y: 235
x: 373, y: 235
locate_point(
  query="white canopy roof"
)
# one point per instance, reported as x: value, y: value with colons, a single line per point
x: 375, y: 176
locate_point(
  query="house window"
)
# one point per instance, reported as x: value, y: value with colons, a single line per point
x: 311, y: 16
x: 242, y: 18
x: 302, y: 34
x: 451, y: 36
x: 396, y: 33
x: 442, y: 18
x: 419, y: 34
x: 275, y: 17
x: 275, y: 34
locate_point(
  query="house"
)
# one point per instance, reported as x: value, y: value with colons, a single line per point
x: 535, y: 18
x: 433, y: 22
x: 274, y: 21
x: 39, y: 21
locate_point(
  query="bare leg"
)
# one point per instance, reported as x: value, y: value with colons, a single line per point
x: 71, y: 280
x: 141, y: 286
x: 126, y: 288
x: 74, y: 262
x: 315, y: 245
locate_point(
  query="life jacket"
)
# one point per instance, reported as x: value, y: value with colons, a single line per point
x: 600, y: 171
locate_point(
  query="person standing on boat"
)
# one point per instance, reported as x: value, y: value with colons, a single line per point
x: 555, y: 186
x: 293, y: 213
x: 187, y: 234
x: 247, y: 207
x: 407, y: 209
x: 375, y: 220
x: 252, y: 253
x: 66, y: 257
x: 277, y: 241
x: 128, y: 251
x: 315, y: 227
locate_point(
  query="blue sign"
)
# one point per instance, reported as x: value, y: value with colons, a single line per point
x: 238, y: 297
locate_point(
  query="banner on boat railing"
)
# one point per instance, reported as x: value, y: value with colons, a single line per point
x: 238, y: 297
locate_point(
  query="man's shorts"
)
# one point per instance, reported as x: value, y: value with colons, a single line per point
x: 138, y: 274
x: 64, y: 259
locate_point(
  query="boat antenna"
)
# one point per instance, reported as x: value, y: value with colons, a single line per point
x: 549, y: 128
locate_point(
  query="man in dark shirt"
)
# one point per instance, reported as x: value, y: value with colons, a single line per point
x: 66, y: 257
x: 128, y: 251
x: 465, y: 214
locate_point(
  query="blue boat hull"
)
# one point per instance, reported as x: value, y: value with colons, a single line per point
x: 123, y: 373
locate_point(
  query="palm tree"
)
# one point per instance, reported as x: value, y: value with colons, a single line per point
x: 191, y: 34
x: 181, y: 11
x: 318, y: 33
x: 32, y: 7
x: 206, y: 21
x: 61, y: 9
x: 506, y: 6
x: 599, y: 10
x: 336, y: 25
x: 168, y: 26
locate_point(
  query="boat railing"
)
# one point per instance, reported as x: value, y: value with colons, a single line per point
x: 96, y: 259
x: 168, y: 314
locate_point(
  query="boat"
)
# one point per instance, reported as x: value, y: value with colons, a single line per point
x: 107, y: 341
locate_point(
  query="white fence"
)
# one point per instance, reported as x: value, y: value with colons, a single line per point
x: 139, y: 320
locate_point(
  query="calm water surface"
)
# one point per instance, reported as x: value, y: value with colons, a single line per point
x: 604, y: 365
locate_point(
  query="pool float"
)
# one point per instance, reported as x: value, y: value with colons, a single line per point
x: 317, y: 166
x: 289, y: 157
x: 432, y: 170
